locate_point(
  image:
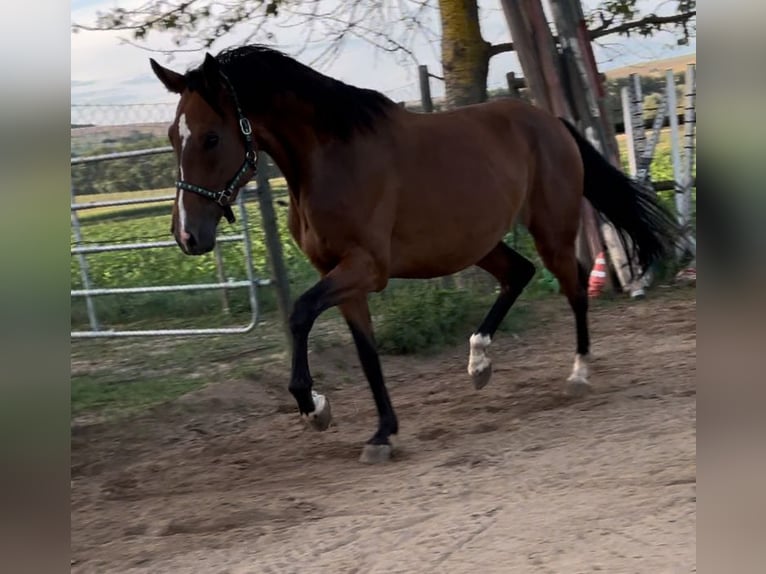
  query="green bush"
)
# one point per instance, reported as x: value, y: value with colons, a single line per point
x: 412, y: 317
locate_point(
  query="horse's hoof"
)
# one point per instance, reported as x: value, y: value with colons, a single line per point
x: 481, y: 378
x: 577, y: 387
x: 321, y: 417
x: 376, y: 453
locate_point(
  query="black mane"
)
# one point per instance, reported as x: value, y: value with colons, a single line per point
x: 260, y: 74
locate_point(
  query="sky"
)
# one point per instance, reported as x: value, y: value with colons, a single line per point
x: 106, y: 70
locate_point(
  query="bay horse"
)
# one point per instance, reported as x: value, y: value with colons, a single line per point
x: 378, y: 192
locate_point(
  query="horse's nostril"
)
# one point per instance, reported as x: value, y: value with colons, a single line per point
x: 191, y: 241
x: 193, y: 244
x: 187, y: 240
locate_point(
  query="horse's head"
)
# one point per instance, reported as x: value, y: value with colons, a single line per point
x: 214, y: 147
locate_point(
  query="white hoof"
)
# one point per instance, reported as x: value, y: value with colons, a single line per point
x: 479, y: 364
x: 577, y: 383
x: 321, y: 417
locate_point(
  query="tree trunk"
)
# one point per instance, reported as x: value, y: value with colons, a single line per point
x: 465, y: 54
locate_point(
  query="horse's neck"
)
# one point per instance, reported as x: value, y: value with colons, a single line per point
x: 291, y: 147
x: 298, y: 147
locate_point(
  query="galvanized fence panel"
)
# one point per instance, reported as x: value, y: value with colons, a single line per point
x: 89, y: 292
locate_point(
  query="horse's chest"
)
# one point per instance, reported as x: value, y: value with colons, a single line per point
x: 310, y: 241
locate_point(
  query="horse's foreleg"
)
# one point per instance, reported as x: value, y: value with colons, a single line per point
x: 357, y: 315
x: 513, y: 271
x: 312, y: 406
x: 351, y: 278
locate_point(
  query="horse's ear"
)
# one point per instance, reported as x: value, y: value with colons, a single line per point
x: 173, y: 81
x: 212, y: 72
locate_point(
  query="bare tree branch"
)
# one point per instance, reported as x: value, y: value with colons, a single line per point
x: 391, y: 26
x: 496, y: 49
x: 649, y: 22
x: 645, y: 25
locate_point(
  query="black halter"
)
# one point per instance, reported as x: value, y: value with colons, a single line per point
x: 223, y: 197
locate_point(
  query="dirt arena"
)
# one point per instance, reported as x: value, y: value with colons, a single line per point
x: 513, y: 478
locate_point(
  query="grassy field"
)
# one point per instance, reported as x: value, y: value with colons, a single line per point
x: 410, y: 316
x: 654, y: 68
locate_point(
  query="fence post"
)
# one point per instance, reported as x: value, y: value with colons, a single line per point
x: 274, y: 246
x: 637, y: 116
x: 690, y: 122
x: 425, y: 89
x: 630, y: 141
x: 84, y: 270
x: 675, y: 144
x: 221, y: 277
x: 513, y: 88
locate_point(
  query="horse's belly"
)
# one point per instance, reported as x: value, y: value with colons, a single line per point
x: 445, y: 241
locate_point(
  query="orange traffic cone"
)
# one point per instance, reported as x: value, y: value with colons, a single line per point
x: 597, y: 278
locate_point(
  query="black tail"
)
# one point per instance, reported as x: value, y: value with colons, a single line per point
x: 635, y: 211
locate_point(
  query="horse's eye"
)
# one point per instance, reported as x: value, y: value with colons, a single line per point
x: 211, y: 140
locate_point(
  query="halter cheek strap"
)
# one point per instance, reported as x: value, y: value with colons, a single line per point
x: 224, y: 196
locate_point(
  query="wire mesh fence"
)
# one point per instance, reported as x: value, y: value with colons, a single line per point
x: 87, y: 115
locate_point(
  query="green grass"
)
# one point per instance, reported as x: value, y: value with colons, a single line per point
x: 115, y: 377
x: 166, y: 266
x: 159, y: 209
x: 116, y: 398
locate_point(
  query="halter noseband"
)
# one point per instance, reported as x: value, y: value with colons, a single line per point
x: 223, y: 197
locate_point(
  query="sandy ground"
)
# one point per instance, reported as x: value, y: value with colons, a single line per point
x: 513, y: 478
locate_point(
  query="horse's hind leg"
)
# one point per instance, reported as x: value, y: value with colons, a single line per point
x: 572, y: 278
x: 513, y: 271
x: 357, y: 314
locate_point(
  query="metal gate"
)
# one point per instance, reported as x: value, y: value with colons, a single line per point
x: 251, y: 282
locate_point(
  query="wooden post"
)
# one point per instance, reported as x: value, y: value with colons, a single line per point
x: 513, y: 87
x: 548, y: 58
x: 587, y: 99
x: 595, y: 81
x: 425, y: 89
x: 583, y: 98
x: 589, y: 241
x: 274, y: 246
x: 517, y: 14
x: 513, y: 91
x: 533, y: 43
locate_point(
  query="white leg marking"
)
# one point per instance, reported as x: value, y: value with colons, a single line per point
x: 320, y: 402
x: 184, y: 133
x: 321, y: 417
x: 478, y: 360
x: 580, y: 369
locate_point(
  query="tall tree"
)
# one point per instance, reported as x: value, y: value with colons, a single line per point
x: 465, y: 53
x: 391, y: 26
